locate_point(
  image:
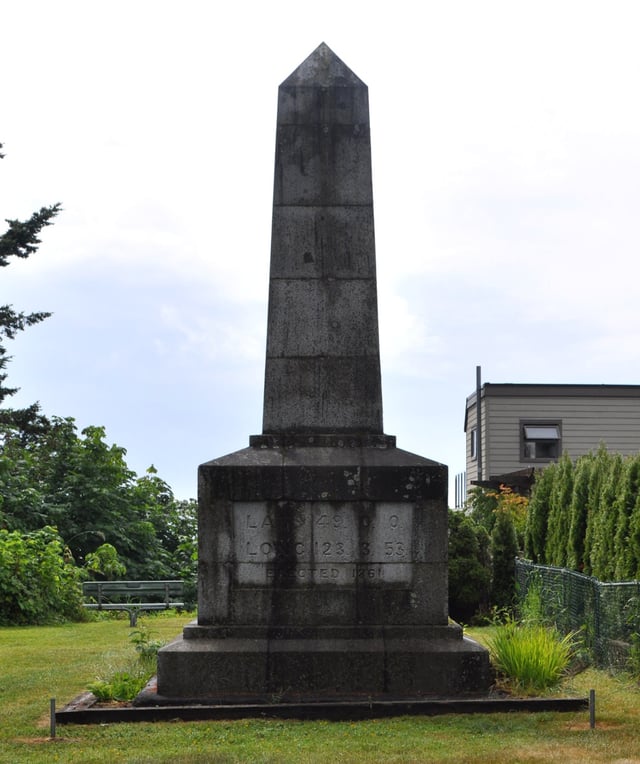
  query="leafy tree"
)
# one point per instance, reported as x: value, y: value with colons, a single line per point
x: 481, y: 507
x: 485, y: 503
x: 83, y: 486
x: 21, y: 240
x: 104, y: 563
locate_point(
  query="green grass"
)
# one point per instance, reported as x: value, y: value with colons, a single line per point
x: 37, y: 663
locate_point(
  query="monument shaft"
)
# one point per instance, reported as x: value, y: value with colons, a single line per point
x: 323, y: 359
x: 322, y: 546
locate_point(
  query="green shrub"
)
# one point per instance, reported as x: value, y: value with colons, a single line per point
x: 531, y: 657
x: 39, y: 582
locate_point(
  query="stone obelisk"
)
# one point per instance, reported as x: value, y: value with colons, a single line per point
x: 322, y: 546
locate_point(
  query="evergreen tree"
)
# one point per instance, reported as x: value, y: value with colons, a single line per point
x: 469, y: 567
x: 623, y: 508
x: 599, y: 470
x: 603, y: 521
x: 504, y: 548
x: 556, y: 545
x: 578, y: 512
x: 535, y: 535
x: 21, y: 240
x: 634, y: 540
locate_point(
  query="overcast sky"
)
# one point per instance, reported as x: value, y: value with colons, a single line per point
x: 506, y: 162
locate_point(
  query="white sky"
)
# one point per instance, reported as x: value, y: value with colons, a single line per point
x: 506, y: 160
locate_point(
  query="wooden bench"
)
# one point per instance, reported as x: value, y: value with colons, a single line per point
x: 133, y: 596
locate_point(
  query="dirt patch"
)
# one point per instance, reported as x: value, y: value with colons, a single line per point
x: 112, y: 704
x: 40, y: 740
x: 581, y: 726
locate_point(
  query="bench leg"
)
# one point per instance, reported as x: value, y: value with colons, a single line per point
x: 133, y: 617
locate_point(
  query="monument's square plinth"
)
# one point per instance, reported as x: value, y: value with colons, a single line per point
x: 322, y: 547
x: 323, y: 574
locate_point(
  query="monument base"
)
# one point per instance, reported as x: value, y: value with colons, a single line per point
x: 234, y: 665
x: 322, y: 576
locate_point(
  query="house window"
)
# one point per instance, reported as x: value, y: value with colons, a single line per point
x: 474, y: 443
x: 540, y: 441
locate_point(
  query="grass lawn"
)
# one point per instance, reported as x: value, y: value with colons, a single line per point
x: 39, y: 663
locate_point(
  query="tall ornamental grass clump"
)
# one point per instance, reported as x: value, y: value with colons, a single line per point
x: 531, y: 657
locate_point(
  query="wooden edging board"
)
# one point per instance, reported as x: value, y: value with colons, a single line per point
x: 83, y: 709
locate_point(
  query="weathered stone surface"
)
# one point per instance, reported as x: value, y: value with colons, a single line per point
x: 231, y: 670
x: 323, y: 242
x: 306, y: 473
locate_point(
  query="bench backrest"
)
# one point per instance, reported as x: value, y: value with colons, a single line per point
x: 131, y: 591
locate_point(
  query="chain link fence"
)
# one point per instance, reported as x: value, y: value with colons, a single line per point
x: 606, y: 614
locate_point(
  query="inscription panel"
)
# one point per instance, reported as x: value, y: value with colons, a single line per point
x: 298, y: 544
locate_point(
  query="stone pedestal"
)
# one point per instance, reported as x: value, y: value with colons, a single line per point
x: 323, y: 575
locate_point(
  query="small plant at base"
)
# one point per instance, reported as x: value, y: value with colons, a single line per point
x: 125, y: 684
x: 121, y: 686
x: 146, y: 647
x: 101, y: 689
x: 532, y: 658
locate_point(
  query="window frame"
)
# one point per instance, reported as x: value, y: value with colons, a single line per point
x: 557, y: 423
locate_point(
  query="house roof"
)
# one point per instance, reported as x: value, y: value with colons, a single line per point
x: 526, y: 390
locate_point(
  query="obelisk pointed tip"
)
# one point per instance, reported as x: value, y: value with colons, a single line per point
x: 323, y: 69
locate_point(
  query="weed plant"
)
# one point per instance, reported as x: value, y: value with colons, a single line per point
x: 532, y: 606
x: 124, y: 683
x: 147, y: 648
